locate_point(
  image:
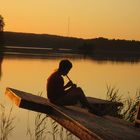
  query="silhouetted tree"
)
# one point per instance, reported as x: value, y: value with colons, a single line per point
x: 1, y: 31
x: 1, y: 42
x: 86, y: 48
x: 1, y: 23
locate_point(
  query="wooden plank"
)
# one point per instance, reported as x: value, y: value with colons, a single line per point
x: 41, y: 104
x: 28, y: 102
x: 79, y: 121
x: 119, y: 121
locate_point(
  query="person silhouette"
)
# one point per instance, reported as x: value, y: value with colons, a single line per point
x: 68, y: 94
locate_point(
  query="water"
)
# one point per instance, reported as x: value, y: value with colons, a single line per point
x: 30, y: 74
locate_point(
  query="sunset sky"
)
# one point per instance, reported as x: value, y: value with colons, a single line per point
x: 119, y: 19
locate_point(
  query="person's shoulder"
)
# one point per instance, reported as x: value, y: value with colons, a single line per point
x: 54, y: 75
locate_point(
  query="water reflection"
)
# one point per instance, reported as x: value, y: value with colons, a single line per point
x: 50, y: 53
x: 115, y: 58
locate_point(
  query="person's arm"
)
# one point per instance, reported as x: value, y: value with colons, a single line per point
x: 70, y: 84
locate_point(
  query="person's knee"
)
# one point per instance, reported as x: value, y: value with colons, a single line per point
x: 77, y: 92
x: 80, y: 90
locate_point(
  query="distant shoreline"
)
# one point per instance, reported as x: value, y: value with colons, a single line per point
x: 43, y: 53
x: 98, y: 48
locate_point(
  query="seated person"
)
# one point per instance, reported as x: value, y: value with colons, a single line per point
x: 65, y: 95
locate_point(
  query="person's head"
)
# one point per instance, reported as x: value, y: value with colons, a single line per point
x: 64, y: 66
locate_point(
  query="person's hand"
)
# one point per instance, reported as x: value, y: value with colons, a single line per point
x: 69, y: 84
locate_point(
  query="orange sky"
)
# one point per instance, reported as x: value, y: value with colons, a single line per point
x: 119, y: 19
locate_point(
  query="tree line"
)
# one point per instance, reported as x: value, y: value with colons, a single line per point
x: 77, y: 44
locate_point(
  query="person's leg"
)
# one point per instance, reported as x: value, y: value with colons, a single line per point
x: 84, y: 102
x: 72, y: 97
x: 82, y: 98
x: 66, y: 100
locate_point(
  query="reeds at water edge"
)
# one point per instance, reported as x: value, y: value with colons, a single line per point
x: 128, y: 110
x: 6, y: 122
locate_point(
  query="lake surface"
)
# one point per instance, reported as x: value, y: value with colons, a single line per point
x: 30, y: 74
